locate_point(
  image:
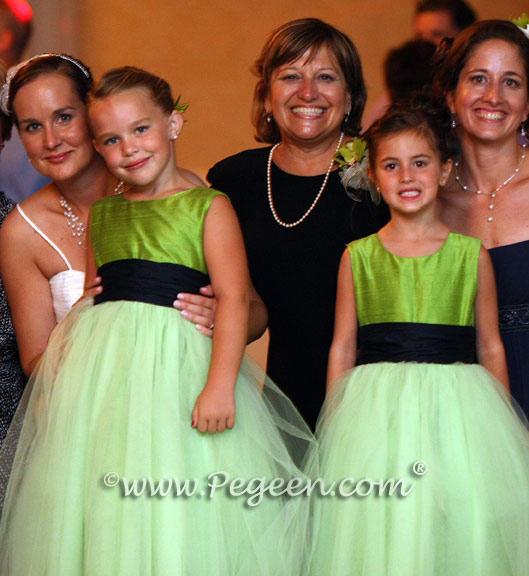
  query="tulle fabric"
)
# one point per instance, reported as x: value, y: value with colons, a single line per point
x: 450, y: 433
x: 112, y: 398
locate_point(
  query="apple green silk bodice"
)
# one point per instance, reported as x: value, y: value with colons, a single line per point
x: 150, y: 250
x: 416, y: 303
x: 168, y: 229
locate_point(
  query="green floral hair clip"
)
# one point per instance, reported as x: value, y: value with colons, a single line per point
x: 523, y: 23
x: 180, y: 107
x: 353, y: 159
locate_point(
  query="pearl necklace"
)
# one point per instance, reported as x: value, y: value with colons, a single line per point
x: 76, y: 225
x: 497, y: 189
x: 315, y: 201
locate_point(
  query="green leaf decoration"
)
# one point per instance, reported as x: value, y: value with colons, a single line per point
x: 351, y: 152
x: 181, y: 107
x: 522, y: 21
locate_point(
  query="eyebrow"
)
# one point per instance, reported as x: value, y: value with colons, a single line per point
x: 393, y: 158
x: 56, y: 112
x: 507, y: 73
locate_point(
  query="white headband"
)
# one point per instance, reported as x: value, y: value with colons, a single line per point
x: 11, y: 73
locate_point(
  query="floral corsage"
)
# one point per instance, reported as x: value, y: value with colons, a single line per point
x: 523, y: 23
x: 353, y: 160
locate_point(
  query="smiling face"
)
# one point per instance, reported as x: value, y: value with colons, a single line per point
x: 409, y: 171
x: 308, y: 99
x: 491, y: 98
x: 134, y: 136
x: 53, y: 127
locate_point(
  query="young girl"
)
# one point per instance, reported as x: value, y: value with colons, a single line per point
x: 433, y: 461
x: 139, y: 454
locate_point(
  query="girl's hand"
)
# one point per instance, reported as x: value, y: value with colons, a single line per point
x: 199, y: 309
x: 94, y: 287
x: 214, y: 410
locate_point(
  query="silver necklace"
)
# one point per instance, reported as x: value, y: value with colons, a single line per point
x: 496, y: 190
x: 76, y: 225
x: 315, y: 201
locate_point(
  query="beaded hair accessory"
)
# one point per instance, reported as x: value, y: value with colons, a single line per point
x: 11, y: 73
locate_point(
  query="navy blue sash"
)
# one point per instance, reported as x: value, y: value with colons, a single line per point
x: 409, y: 342
x: 145, y: 281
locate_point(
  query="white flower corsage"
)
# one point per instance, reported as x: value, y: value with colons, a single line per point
x: 523, y: 23
x: 353, y: 160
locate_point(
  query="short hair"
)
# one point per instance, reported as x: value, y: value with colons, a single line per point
x: 453, y: 56
x: 288, y: 43
x: 19, y: 23
x: 126, y: 78
x: 462, y: 14
x: 70, y: 67
x: 422, y: 114
x: 408, y: 68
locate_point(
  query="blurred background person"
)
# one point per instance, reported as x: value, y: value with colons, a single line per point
x: 438, y: 19
x: 434, y: 20
x: 18, y: 178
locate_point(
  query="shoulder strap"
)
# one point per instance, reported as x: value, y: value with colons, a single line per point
x: 41, y: 233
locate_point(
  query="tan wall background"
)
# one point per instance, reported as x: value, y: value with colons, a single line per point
x: 206, y: 51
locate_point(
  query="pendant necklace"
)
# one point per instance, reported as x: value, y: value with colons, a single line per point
x: 496, y: 190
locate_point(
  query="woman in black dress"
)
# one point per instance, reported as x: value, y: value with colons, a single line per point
x: 294, y: 212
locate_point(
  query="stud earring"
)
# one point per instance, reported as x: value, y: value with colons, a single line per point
x: 269, y: 117
x: 454, y: 123
x: 174, y: 136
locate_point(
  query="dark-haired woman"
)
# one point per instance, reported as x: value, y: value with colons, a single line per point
x: 294, y: 212
x: 485, y: 78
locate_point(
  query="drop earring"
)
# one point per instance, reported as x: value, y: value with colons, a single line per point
x: 522, y: 131
x: 454, y: 123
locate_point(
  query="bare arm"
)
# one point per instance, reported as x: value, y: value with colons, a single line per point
x: 489, y: 345
x: 214, y: 409
x: 27, y: 289
x: 342, y: 355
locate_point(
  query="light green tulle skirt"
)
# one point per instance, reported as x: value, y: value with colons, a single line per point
x: 434, y: 465
x: 109, y: 477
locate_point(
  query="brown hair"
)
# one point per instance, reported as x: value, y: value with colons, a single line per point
x: 452, y: 58
x: 423, y: 115
x: 74, y: 69
x: 128, y: 78
x: 288, y: 43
